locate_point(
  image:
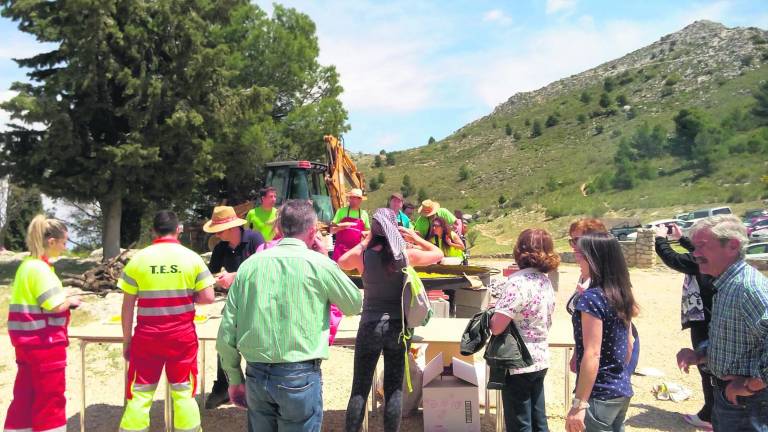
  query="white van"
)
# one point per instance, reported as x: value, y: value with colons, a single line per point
x: 701, y: 214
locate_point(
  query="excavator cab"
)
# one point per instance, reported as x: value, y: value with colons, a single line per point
x: 301, y: 180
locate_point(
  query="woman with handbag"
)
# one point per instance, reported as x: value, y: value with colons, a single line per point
x: 528, y: 303
x: 380, y: 258
x: 601, y: 328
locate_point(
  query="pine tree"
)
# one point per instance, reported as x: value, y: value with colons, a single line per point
x: 536, y: 129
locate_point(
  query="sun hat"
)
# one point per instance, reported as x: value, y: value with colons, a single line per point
x: 397, y: 195
x: 224, y: 217
x: 428, y: 207
x: 355, y: 193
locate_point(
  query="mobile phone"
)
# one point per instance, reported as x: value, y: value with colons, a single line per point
x: 669, y: 229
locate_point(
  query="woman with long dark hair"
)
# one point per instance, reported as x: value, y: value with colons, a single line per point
x: 444, y: 237
x: 380, y: 258
x: 601, y: 328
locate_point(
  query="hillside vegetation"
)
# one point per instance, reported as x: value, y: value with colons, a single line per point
x: 672, y: 126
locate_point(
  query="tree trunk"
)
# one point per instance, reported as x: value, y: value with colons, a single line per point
x: 111, y: 211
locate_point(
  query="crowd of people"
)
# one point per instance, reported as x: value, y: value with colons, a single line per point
x: 285, y: 297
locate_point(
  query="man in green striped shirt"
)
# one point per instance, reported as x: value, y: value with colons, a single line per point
x: 276, y: 317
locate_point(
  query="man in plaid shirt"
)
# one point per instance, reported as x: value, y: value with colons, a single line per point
x: 737, y: 353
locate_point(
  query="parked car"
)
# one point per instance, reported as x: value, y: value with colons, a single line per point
x: 658, y: 223
x: 757, y: 224
x: 682, y: 216
x: 758, y: 250
x: 751, y: 215
x: 701, y: 214
x: 622, y: 231
x: 759, y: 235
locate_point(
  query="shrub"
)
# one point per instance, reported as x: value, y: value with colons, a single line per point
x: 381, y: 178
x: 667, y: 91
x: 585, y: 97
x: 609, y: 84
x: 502, y: 199
x: 599, y: 129
x: 551, y: 121
x: 390, y: 159
x: 516, y: 136
x: 554, y: 211
x: 508, y: 129
x: 536, y: 128
x: 422, y: 194
x: 605, y: 100
x: 373, y: 184
x: 432, y: 140
x: 581, y: 118
x: 377, y: 161
x: 463, y: 172
x: 622, y: 100
x: 672, y: 79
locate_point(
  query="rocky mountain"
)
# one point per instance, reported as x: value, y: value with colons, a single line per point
x: 545, y: 149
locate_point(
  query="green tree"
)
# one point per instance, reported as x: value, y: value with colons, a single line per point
x: 609, y: 84
x: 502, y: 199
x: 431, y: 140
x: 688, y: 124
x: 585, y: 97
x: 377, y: 161
x: 708, y: 149
x: 391, y: 159
x: 622, y: 100
x: 551, y: 121
x: 464, y: 172
x: 373, y: 184
x: 406, y: 188
x: 422, y: 194
x: 516, y: 135
x: 536, y: 128
x: 605, y: 100
x: 760, y: 109
x: 381, y: 178
x: 23, y: 205
x: 581, y: 118
x: 648, y: 142
x: 508, y: 129
x: 164, y: 101
x: 626, y: 172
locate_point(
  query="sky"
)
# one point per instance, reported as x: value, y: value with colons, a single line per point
x: 412, y: 70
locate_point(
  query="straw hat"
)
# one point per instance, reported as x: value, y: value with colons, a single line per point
x: 224, y: 217
x: 356, y: 193
x: 428, y: 207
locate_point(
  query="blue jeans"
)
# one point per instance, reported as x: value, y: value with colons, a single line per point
x: 284, y: 397
x: 606, y: 415
x: 751, y: 414
x: 524, y: 405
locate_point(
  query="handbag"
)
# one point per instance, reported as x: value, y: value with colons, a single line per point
x: 505, y: 351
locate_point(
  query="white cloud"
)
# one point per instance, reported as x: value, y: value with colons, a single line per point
x: 555, y: 54
x: 497, y: 15
x: 384, y: 142
x: 555, y: 6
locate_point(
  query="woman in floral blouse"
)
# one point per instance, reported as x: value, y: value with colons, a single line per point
x: 529, y: 302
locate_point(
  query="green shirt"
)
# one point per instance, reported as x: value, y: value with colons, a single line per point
x: 357, y: 214
x: 421, y: 225
x: 262, y: 221
x: 277, y: 308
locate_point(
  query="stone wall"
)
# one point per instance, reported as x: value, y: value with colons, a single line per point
x: 639, y: 253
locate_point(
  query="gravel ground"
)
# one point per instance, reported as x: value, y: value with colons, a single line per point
x: 657, y: 290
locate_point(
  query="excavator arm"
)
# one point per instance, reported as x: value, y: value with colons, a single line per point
x: 342, y: 174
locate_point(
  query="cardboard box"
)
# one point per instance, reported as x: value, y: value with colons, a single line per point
x: 441, y: 308
x: 477, y: 299
x: 451, y: 402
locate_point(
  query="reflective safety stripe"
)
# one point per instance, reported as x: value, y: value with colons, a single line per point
x: 133, y: 430
x: 160, y: 311
x: 26, y: 325
x: 57, y: 322
x: 48, y: 294
x: 202, y: 275
x: 144, y: 387
x: 181, y: 386
x: 129, y: 279
x: 194, y: 429
x: 18, y: 430
x: 58, y: 429
x: 166, y: 293
x: 20, y: 308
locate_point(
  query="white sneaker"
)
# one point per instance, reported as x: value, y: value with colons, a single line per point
x: 695, y: 421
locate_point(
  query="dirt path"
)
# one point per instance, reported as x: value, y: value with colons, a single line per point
x: 657, y: 290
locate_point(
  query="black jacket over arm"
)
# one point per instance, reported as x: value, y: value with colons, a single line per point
x: 686, y: 263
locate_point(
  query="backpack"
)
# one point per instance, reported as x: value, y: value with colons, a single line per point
x: 416, y: 310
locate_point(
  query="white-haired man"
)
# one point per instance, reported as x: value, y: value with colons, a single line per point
x: 737, y: 353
